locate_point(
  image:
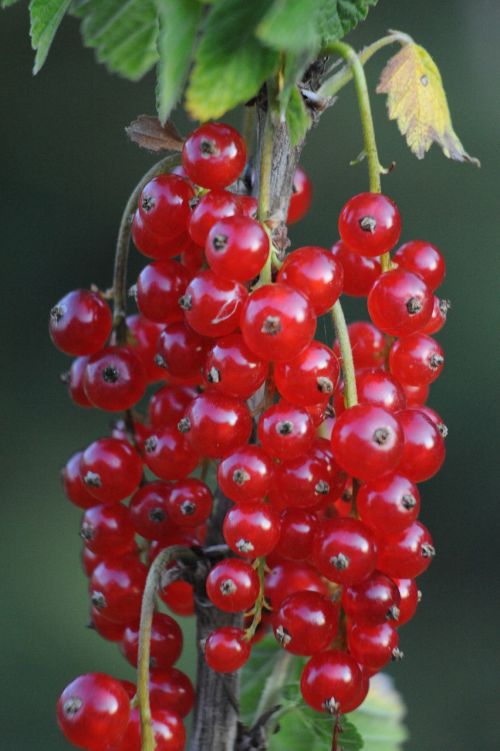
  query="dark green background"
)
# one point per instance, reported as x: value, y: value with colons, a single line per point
x: 66, y: 169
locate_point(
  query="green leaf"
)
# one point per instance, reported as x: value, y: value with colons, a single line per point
x: 337, y: 17
x: 297, y: 117
x: 380, y: 719
x: 304, y: 728
x: 255, y: 674
x: 179, y: 21
x: 290, y: 25
x: 45, y: 16
x: 231, y: 64
x: 123, y: 33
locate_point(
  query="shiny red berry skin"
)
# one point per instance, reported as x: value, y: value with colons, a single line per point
x: 400, y: 303
x: 168, y: 454
x: 92, y: 710
x: 74, y: 381
x: 285, y: 431
x: 373, y: 645
x: 168, y: 405
x: 251, y: 530
x: 245, y: 474
x: 291, y: 576
x: 214, y: 206
x: 111, y: 469
x: 415, y: 395
x: 367, y: 343
x: 156, y: 246
x: 171, y: 689
x: 181, y: 351
x: 159, y: 287
x: 233, y: 585
x: 106, y: 529
x: 189, y: 502
x: 216, y: 424
x: 301, y: 198
x: 89, y: 561
x: 233, y: 369
x: 143, y: 339
x: 407, y: 554
x: 424, y: 450
x: 148, y: 510
x: 306, y: 623
x: 409, y: 599
x: 315, y: 273
x: 438, y: 317
x: 310, y: 378
x: 193, y: 258
x: 73, y: 485
x: 424, y: 259
x: 389, y: 504
x: 164, y: 205
x: 277, y: 322
x: 168, y: 732
x: 367, y: 441
x: 298, y: 528
x: 80, y: 323
x: 166, y: 642
x: 370, y: 224
x: 213, y: 305
x: 106, y: 629
x: 237, y: 248
x: 375, y: 386
x: 116, y: 588
x: 115, y: 379
x: 178, y: 596
x: 374, y: 600
x: 247, y: 206
x: 435, y: 418
x: 360, y: 272
x: 416, y: 359
x: 332, y: 682
x: 226, y: 649
x: 344, y: 550
x: 214, y: 155
x: 305, y: 482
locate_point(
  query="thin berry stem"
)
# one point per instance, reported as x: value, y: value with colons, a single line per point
x: 259, y: 603
x: 266, y: 160
x: 340, y: 325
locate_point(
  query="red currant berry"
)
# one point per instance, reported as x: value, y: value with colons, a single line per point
x: 233, y: 585
x: 168, y: 405
x: 435, y: 418
x: 373, y: 644
x: 111, y: 469
x: 214, y: 206
x: 291, y: 576
x: 245, y: 474
x: 345, y: 550
x: 168, y: 454
x: 115, y: 379
x: 389, y: 504
x: 143, y: 339
x: 181, y: 351
x: 233, y: 369
x: 159, y: 287
x: 116, y: 588
x: 410, y: 597
x: 400, y: 303
x: 424, y: 259
x: 73, y: 485
x: 164, y: 205
x: 375, y: 386
x: 305, y: 623
x: 106, y: 629
x: 171, y: 689
x: 189, y: 502
x: 156, y: 246
x: 306, y: 481
x: 298, y: 528
x: 92, y: 710
x: 301, y: 198
x: 90, y: 561
x: 332, y: 682
x: 247, y: 206
x: 214, y: 155
x: 193, y: 258
x: 310, y: 378
x: 416, y: 359
x: 179, y: 597
x: 148, y: 511
x: 438, y: 317
x: 168, y: 732
x: 367, y: 441
x: 213, y: 305
x: 407, y: 554
x: 285, y: 431
x: 374, y: 600
x: 360, y: 272
x: 237, y: 248
x: 227, y: 649
x: 166, y: 642
x: 367, y: 344
x: 251, y: 530
x: 315, y: 273
x: 370, y: 224
x: 277, y: 322
x: 73, y: 379
x: 106, y: 529
x: 80, y: 323
x: 216, y: 424
x: 424, y: 448
x: 415, y: 395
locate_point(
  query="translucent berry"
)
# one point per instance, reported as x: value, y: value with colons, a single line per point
x: 373, y: 600
x: 152, y: 245
x: 359, y: 271
x: 73, y: 485
x: 181, y: 351
x: 168, y: 454
x: 407, y: 554
x: 164, y: 205
x: 310, y: 378
x: 80, y: 323
x: 233, y: 585
x: 389, y: 504
x: 237, y: 248
x: 315, y: 273
x: 424, y: 449
x: 216, y: 424
x: 409, y: 599
x: 116, y: 588
x: 370, y: 224
x: 345, y: 550
x: 171, y: 689
x: 301, y: 198
x: 165, y: 646
x: 332, y: 682
x: 189, y: 502
x: 373, y: 645
x: 167, y: 406
x: 111, y: 469
x: 367, y: 344
x: 143, y: 339
x: 159, y: 287
x: 233, y: 369
x: 424, y: 259
x: 212, y: 207
x: 400, y: 303
x: 305, y: 623
x: 226, y: 649
x: 213, y: 305
x: 251, y: 530
x: 115, y: 379
x: 245, y: 474
x: 148, y: 510
x: 416, y: 359
x: 214, y: 155
x: 298, y: 529
x: 285, y: 431
x: 106, y: 529
x: 291, y: 576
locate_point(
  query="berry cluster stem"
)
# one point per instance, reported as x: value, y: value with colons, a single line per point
x: 340, y: 325
x: 266, y: 160
x: 259, y: 603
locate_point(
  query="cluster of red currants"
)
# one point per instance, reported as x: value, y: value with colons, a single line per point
x: 323, y: 539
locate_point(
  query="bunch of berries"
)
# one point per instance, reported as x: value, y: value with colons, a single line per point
x: 323, y: 538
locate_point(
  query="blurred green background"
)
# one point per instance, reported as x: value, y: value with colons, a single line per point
x: 66, y: 170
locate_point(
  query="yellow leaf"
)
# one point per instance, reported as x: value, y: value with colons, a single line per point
x: 417, y: 101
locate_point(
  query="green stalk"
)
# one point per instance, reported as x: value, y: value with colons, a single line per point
x: 340, y: 325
